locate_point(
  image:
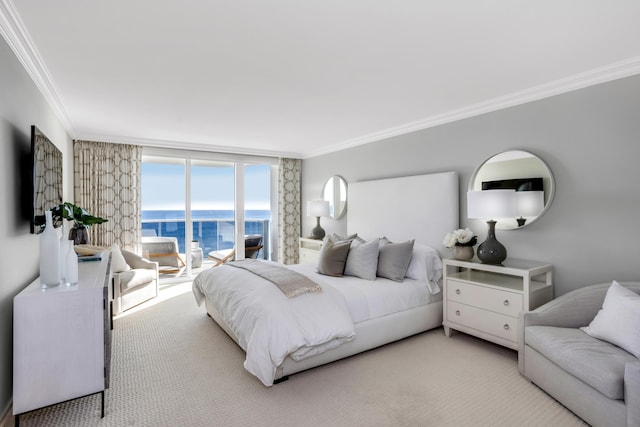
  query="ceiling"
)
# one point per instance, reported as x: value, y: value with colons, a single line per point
x: 301, y: 78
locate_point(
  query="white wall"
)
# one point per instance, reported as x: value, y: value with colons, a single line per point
x: 590, y: 139
x: 21, y: 105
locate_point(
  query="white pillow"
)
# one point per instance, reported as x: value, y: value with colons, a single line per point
x: 118, y: 263
x: 426, y: 266
x: 618, y: 321
x: 362, y: 260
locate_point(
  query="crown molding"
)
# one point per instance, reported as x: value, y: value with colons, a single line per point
x: 593, y: 77
x: 15, y: 34
x: 195, y: 146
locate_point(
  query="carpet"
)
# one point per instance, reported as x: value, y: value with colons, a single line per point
x: 172, y: 365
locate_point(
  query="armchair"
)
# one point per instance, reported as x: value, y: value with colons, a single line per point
x: 598, y: 381
x: 136, y: 284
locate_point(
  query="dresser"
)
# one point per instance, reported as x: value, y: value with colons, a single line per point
x: 309, y: 250
x: 486, y: 300
x: 62, y: 339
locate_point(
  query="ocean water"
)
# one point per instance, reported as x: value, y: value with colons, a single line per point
x: 213, y: 229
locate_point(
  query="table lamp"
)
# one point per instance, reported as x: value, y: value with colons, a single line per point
x: 491, y: 204
x: 317, y: 208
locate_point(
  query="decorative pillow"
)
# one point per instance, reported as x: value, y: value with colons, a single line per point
x: 333, y: 257
x: 426, y: 266
x: 618, y: 321
x: 393, y: 259
x: 362, y: 260
x: 118, y: 263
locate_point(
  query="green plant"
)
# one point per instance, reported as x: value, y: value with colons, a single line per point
x: 71, y: 212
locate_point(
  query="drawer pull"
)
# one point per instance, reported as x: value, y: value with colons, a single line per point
x: 457, y: 312
x: 506, y: 327
x: 457, y: 291
x: 506, y: 303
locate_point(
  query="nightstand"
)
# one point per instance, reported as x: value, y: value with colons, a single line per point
x: 309, y: 250
x: 486, y: 300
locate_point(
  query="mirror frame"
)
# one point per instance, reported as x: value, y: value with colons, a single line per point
x: 335, y: 182
x: 535, y: 169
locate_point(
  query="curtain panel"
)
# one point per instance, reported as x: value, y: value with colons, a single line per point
x: 107, y: 184
x: 289, y: 210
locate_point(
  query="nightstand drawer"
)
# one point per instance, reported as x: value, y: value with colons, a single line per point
x: 486, y: 321
x: 503, y: 302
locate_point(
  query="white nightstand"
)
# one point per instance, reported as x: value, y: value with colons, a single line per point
x: 485, y: 300
x: 309, y: 250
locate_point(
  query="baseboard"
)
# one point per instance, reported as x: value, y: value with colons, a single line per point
x: 7, y: 419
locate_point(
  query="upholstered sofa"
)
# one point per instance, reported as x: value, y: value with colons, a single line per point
x: 598, y: 381
x: 134, y: 283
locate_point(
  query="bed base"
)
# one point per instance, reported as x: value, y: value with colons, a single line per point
x: 369, y: 334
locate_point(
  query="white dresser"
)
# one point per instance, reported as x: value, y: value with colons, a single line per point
x: 62, y: 339
x: 309, y: 250
x: 485, y: 300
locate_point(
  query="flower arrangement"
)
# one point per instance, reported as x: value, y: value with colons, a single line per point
x: 460, y: 237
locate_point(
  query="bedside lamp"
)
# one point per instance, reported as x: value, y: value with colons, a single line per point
x: 528, y: 203
x: 490, y: 204
x: 317, y: 208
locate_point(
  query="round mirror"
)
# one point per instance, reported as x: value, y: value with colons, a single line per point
x: 335, y: 192
x: 523, y: 172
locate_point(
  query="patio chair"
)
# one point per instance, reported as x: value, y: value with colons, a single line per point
x: 252, y: 246
x: 164, y: 251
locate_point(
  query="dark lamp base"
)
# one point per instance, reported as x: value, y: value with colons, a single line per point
x: 317, y: 232
x: 491, y: 251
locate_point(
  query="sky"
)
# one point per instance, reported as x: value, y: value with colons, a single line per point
x: 212, y: 187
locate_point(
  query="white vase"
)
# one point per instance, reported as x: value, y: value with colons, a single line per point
x: 63, y: 253
x: 49, y: 254
x: 71, y: 265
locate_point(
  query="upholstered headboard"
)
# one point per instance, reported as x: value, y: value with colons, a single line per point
x: 421, y: 207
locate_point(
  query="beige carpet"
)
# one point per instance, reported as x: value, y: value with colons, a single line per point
x: 173, y: 366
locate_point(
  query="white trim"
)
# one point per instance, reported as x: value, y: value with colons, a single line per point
x: 18, y: 39
x: 617, y: 70
x: 193, y: 146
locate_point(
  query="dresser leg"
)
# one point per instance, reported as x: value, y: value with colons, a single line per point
x: 102, y: 404
x: 447, y: 331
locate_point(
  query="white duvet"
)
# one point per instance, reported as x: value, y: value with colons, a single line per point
x: 270, y: 326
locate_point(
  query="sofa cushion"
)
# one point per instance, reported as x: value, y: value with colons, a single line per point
x: 135, y: 278
x: 595, y: 362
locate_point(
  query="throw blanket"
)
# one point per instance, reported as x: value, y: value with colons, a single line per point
x: 290, y: 282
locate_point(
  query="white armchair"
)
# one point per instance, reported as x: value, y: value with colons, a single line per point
x: 136, y: 284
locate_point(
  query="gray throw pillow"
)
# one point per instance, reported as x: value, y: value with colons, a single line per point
x: 333, y: 257
x: 362, y: 260
x: 394, y: 259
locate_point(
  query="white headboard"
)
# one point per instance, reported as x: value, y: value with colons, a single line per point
x: 421, y: 207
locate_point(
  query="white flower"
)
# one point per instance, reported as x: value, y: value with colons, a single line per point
x: 449, y: 240
x: 459, y: 237
x: 463, y: 236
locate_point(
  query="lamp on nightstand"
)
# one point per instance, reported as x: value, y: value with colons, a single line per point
x: 317, y: 208
x: 490, y: 205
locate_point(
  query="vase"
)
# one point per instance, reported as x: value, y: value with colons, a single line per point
x: 49, y: 254
x: 79, y: 234
x: 491, y: 251
x: 463, y: 253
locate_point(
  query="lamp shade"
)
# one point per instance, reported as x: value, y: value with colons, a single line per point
x: 491, y: 204
x: 317, y: 208
x: 529, y: 203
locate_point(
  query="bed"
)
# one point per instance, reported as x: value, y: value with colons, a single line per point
x: 350, y: 315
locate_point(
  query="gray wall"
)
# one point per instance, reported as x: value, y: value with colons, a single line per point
x: 21, y: 105
x: 590, y: 138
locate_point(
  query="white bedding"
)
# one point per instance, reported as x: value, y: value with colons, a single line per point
x: 269, y: 326
x: 370, y: 299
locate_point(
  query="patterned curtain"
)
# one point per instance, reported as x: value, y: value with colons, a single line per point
x: 107, y: 184
x: 289, y: 210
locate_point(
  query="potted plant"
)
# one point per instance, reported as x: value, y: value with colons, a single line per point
x: 462, y: 242
x: 80, y: 217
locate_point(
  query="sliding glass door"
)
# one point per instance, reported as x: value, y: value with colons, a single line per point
x: 207, y: 206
